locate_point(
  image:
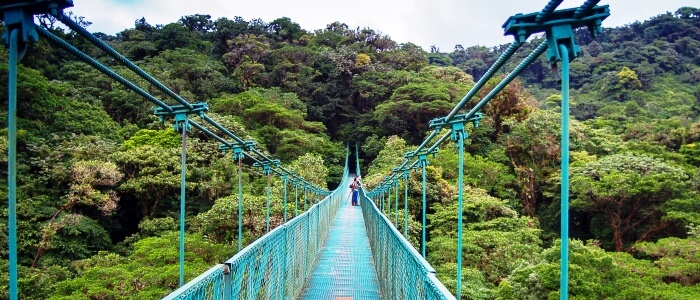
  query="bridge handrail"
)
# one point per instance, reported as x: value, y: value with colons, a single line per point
x: 275, y: 266
x: 210, y: 282
x: 404, y: 273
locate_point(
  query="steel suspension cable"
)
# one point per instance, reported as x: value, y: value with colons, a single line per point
x: 97, y: 65
x: 120, y: 58
x: 548, y: 9
x: 541, y: 48
x: 585, y: 8
x: 482, y: 81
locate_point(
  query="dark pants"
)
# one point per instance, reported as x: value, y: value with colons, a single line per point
x: 355, y: 193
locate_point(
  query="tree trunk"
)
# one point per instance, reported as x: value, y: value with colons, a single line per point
x: 617, y: 237
x: 40, y: 249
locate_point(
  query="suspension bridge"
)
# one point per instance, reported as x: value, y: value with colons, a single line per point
x: 332, y: 250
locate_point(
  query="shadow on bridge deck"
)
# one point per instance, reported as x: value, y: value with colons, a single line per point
x: 344, y: 268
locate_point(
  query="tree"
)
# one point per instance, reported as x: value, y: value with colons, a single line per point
x: 192, y: 75
x: 198, y: 23
x: 620, y: 86
x: 431, y: 94
x: 91, y: 186
x: 245, y: 52
x: 310, y: 167
x: 534, y: 152
x: 629, y: 192
x: 151, y: 175
x: 675, y: 258
x: 284, y: 30
x: 496, y: 240
x: 594, y: 277
x: 512, y: 104
x: 390, y: 156
x: 292, y: 69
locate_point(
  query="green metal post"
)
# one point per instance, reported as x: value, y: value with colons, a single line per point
x: 296, y: 198
x: 405, y: 203
x: 564, y: 274
x: 227, y: 282
x: 12, y: 161
x: 308, y: 243
x: 284, y: 264
x: 303, y: 194
x: 458, y: 135
x: 240, y: 201
x: 267, y: 172
x: 423, y: 164
x: 284, y: 183
x: 388, y: 202
x: 182, y: 125
x: 396, y: 203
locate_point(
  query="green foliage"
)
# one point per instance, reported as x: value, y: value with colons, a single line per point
x: 165, y: 138
x: 151, y: 175
x: 80, y: 118
x: 692, y: 153
x: 34, y: 283
x: 479, y: 171
x: 622, y: 84
x: 595, y: 274
x: 193, y: 75
x: 630, y: 192
x: 592, y: 275
x: 431, y: 94
x: 217, y: 224
x: 150, y: 272
x: 390, y: 156
x: 677, y: 259
x: 278, y: 120
x: 495, y: 240
x: 310, y: 167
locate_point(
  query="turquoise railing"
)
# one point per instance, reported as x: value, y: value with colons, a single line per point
x: 403, y: 273
x: 277, y: 265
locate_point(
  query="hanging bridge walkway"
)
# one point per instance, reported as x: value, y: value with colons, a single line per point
x: 332, y: 250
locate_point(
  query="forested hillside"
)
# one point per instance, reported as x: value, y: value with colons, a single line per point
x: 99, y: 174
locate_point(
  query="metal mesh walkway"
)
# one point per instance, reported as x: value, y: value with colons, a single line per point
x: 344, y: 268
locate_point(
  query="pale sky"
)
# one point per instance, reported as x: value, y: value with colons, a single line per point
x: 443, y: 23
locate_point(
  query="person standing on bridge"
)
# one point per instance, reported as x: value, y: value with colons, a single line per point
x: 355, y: 186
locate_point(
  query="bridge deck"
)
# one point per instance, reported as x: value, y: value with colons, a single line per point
x: 344, y: 269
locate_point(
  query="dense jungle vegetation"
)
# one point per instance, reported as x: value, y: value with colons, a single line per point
x: 99, y: 175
